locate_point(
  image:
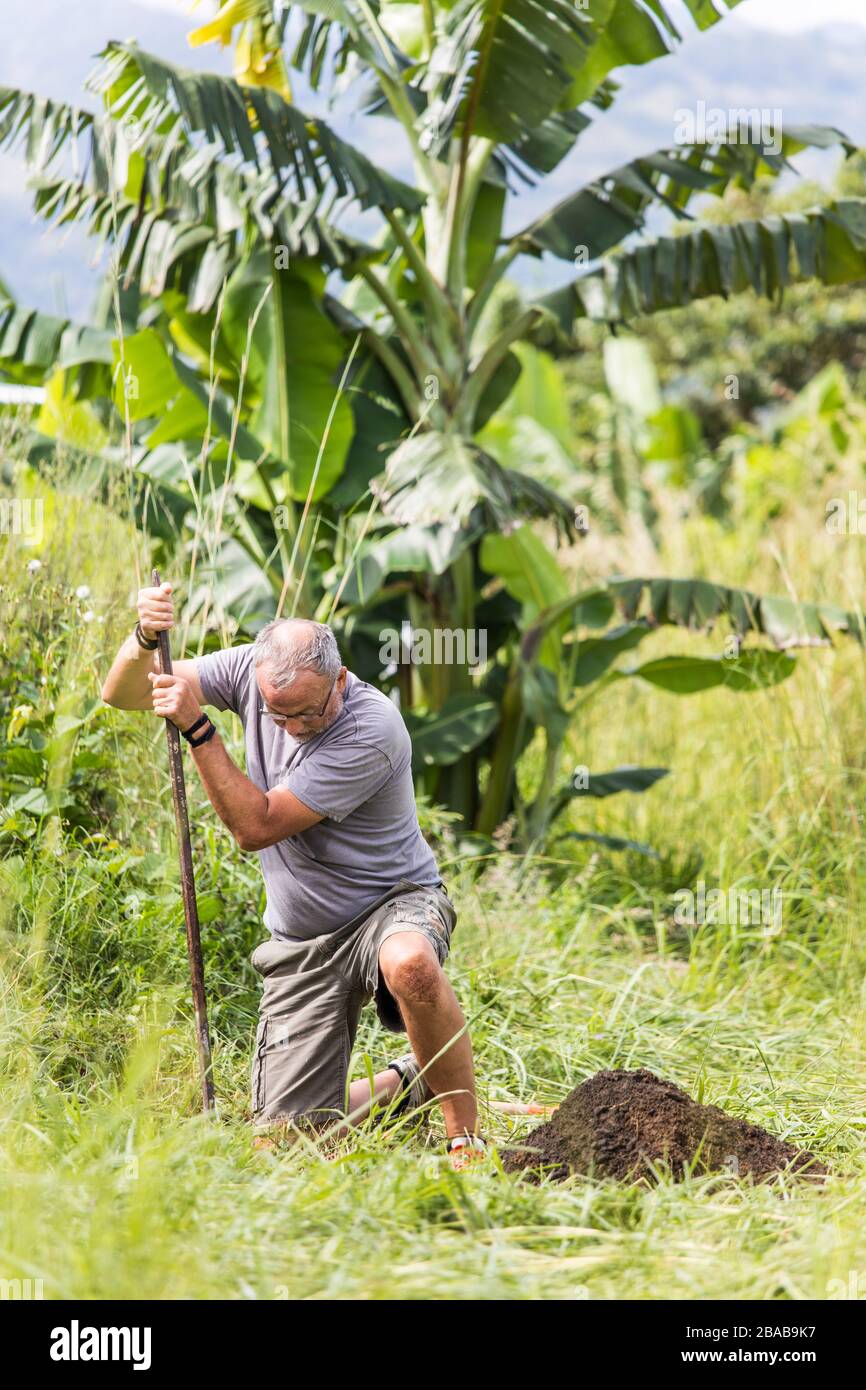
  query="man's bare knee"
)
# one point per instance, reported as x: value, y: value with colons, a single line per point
x: 412, y: 973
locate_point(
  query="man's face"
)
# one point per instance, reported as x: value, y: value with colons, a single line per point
x: 307, y: 707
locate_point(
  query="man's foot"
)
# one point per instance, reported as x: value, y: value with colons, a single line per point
x: 466, y: 1151
x: 413, y: 1089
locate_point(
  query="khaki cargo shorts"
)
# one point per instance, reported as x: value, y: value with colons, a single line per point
x: 313, y: 995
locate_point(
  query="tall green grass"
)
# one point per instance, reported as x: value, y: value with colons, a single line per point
x: 111, y: 1185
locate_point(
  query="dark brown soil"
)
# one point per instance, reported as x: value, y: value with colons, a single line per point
x: 621, y: 1124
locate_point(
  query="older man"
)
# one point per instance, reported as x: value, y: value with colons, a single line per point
x: 355, y: 904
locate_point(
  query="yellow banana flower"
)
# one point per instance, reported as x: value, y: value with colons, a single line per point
x: 259, y: 60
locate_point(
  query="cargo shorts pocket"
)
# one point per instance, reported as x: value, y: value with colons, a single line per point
x: 300, y: 1065
x: 258, y: 1071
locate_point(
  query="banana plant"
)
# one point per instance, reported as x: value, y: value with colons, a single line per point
x: 570, y: 649
x: 331, y: 409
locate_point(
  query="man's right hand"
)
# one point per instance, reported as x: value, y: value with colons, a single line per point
x: 155, y: 610
x: 128, y: 684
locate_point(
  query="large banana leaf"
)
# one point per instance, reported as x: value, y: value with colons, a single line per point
x: 598, y: 217
x: 630, y: 33
x: 621, y: 779
x: 144, y: 178
x: 40, y: 343
x: 462, y: 723
x: 428, y: 550
x: 511, y: 71
x: 162, y: 196
x: 153, y: 129
x: 646, y: 604
x: 194, y: 206
x: 595, y: 655
x: 158, y: 507
x: 156, y: 246
x: 434, y: 477
x: 765, y: 255
x: 520, y: 61
x: 254, y: 125
x: 687, y: 675
x: 335, y: 32
x: 542, y: 681
x: 438, y: 99
x: 603, y: 784
x: 319, y: 417
x: 527, y: 567
x: 697, y: 604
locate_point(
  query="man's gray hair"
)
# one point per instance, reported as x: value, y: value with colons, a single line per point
x: 289, y: 645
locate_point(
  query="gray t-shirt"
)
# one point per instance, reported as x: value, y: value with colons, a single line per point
x: 357, y: 774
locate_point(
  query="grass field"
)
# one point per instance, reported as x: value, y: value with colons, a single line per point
x: 111, y: 1186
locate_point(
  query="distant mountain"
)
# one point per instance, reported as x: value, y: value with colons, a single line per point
x: 811, y: 77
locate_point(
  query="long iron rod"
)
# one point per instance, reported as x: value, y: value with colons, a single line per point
x: 187, y: 879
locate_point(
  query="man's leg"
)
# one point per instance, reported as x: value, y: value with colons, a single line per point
x: 386, y: 1084
x: 306, y: 1028
x: 409, y: 966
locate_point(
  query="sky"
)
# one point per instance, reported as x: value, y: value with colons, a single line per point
x: 793, y: 16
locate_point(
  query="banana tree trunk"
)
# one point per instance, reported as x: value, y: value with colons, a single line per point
x: 458, y: 787
x: 541, y: 811
x: 498, y: 794
x: 302, y: 601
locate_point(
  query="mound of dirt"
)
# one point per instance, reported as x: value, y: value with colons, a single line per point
x: 619, y: 1123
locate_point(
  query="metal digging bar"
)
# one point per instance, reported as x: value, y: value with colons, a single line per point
x: 187, y: 879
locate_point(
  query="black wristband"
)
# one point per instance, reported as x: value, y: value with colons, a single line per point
x: 203, y: 738
x: 149, y: 644
x: 202, y: 719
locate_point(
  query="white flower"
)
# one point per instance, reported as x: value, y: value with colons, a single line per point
x: 83, y: 591
x: 88, y: 616
x: 33, y: 566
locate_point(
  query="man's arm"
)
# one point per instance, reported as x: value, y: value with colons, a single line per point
x: 127, y: 685
x: 255, y: 818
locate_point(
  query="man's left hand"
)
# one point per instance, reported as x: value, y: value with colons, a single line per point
x: 173, y: 699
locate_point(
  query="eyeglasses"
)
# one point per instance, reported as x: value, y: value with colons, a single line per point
x: 279, y: 718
